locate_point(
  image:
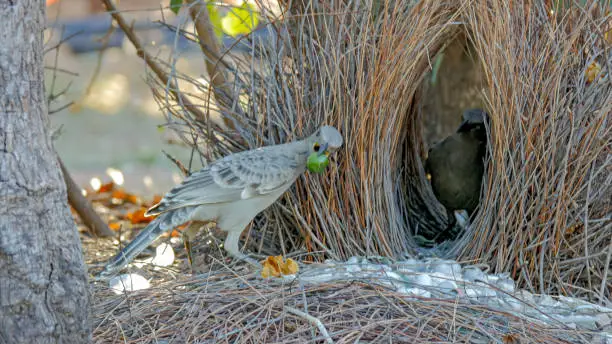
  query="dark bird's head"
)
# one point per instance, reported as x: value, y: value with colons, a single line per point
x: 474, y: 123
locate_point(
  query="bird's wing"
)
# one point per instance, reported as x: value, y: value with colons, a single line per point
x: 238, y: 176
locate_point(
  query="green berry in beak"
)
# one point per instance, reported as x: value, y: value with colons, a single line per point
x: 317, y: 162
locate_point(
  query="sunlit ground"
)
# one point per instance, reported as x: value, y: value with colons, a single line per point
x: 114, y: 124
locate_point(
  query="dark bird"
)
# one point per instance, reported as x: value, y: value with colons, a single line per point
x: 455, y: 167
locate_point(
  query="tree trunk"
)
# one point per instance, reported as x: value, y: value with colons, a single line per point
x: 43, y: 281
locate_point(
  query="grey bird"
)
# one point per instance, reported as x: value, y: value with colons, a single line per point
x: 230, y: 192
x: 455, y: 167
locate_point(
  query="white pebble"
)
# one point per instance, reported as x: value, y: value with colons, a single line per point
x: 526, y: 296
x: 176, y: 240
x: 580, y: 320
x: 447, y: 286
x: 505, y: 284
x: 603, y: 320
x: 473, y: 274
x: 451, y: 270
x: 418, y: 292
x: 128, y: 282
x: 353, y: 261
x: 164, y: 255
x: 471, y: 293
x: 422, y: 280
x: 376, y: 267
x: 515, y: 304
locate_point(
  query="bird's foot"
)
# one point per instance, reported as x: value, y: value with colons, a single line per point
x: 462, y: 219
x: 457, y: 223
x: 424, y: 242
x: 187, y: 245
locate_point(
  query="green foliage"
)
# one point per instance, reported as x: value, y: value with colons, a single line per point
x: 215, y: 18
x: 240, y: 20
x: 436, y: 68
x: 175, y: 5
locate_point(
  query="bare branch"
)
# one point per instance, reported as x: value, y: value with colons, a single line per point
x: 83, y: 207
x: 210, y: 47
x: 156, y: 68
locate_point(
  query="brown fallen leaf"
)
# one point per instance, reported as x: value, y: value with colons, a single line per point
x: 176, y: 232
x: 120, y: 196
x: 106, y: 187
x: 138, y: 216
x: 511, y: 338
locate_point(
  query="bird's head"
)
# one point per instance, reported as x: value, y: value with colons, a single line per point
x: 474, y: 123
x: 324, y: 142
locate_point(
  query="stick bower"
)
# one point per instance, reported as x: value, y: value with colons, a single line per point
x: 360, y: 66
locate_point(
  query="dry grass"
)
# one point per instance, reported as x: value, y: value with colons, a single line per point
x: 545, y: 213
x: 226, y: 307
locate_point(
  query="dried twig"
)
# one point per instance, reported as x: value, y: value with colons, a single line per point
x: 83, y: 207
x: 157, y: 69
x: 178, y: 164
x: 313, y: 320
x: 225, y: 306
x: 210, y: 48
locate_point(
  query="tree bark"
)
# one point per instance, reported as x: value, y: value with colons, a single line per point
x: 43, y: 280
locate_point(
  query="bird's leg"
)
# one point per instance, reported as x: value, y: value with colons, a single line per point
x: 188, y: 234
x: 452, y: 221
x: 231, y: 246
x: 448, y: 231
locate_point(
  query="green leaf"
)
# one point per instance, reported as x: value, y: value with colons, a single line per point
x: 215, y: 18
x: 240, y: 20
x: 175, y: 5
x: 317, y: 163
x: 436, y: 68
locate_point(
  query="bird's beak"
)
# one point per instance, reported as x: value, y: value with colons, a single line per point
x: 464, y: 126
x: 323, y: 149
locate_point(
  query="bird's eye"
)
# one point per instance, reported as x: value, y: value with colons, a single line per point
x: 316, y: 147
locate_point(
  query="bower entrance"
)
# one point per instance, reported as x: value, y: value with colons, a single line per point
x: 453, y: 85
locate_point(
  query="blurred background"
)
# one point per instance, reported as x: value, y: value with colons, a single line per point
x: 101, y: 108
x: 105, y: 114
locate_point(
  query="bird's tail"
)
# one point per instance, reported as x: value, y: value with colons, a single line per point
x: 163, y: 223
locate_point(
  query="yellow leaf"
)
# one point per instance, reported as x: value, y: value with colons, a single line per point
x: 267, y: 271
x: 593, y: 71
x: 240, y: 20
x: 290, y: 267
x: 276, y: 265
